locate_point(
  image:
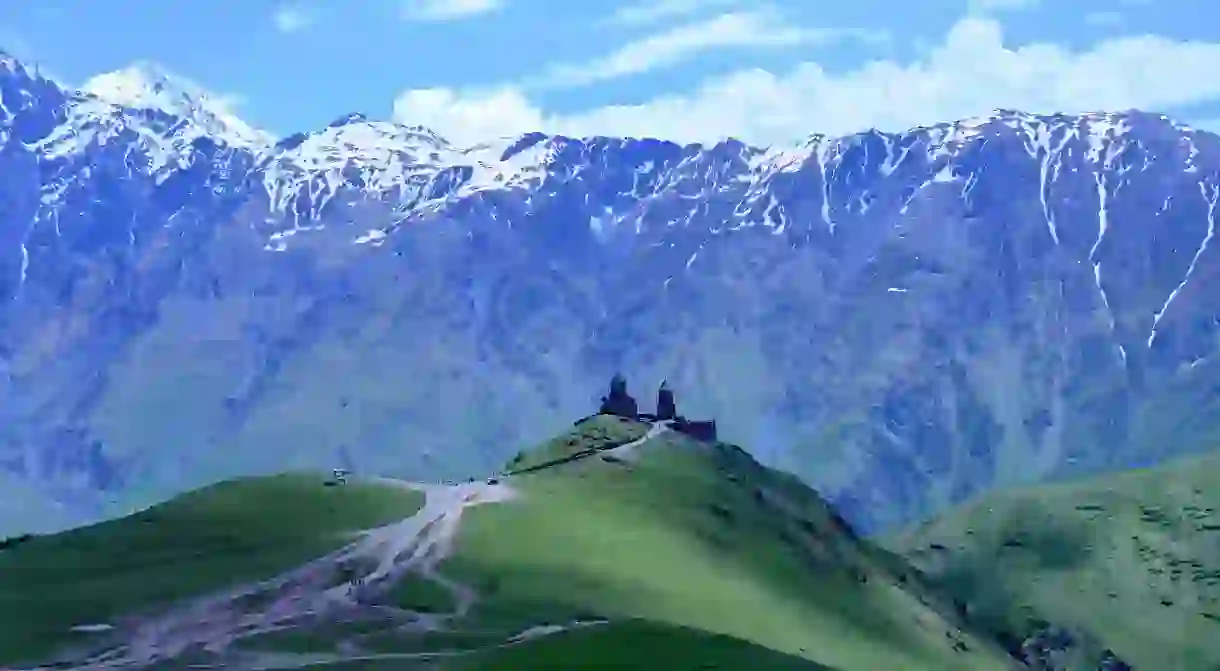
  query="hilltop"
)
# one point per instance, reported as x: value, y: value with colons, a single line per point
x: 638, y: 544
x: 1126, y: 563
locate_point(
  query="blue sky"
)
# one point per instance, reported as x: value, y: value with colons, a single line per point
x: 687, y: 69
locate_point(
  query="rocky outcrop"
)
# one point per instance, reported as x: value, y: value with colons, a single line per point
x: 1054, y: 648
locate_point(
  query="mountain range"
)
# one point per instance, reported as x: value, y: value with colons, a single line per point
x: 903, y: 320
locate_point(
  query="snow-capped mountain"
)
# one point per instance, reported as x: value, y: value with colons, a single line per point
x: 144, y: 86
x: 900, y: 318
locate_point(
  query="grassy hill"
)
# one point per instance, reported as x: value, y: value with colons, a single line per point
x: 1129, y: 562
x: 203, y: 541
x: 643, y: 548
x: 702, y: 536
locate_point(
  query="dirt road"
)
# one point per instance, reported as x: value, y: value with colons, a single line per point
x: 343, y: 586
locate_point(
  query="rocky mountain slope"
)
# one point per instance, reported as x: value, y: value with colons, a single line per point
x: 900, y: 318
x: 1123, y: 565
x: 648, y: 549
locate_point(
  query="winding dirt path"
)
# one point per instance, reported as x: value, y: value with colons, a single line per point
x: 343, y: 586
x: 627, y: 450
x: 323, y: 590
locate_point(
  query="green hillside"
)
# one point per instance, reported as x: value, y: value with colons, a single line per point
x: 701, y: 536
x: 1129, y: 562
x: 614, y: 543
x: 206, y: 540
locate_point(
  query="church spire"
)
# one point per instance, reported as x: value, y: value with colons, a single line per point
x: 667, y: 409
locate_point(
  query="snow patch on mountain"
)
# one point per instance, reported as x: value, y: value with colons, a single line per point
x: 408, y: 165
x: 1210, y: 194
x: 146, y: 86
x: 420, y: 174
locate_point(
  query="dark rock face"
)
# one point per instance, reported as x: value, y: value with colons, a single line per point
x: 1054, y: 648
x: 901, y: 319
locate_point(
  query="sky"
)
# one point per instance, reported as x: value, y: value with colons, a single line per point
x: 686, y: 70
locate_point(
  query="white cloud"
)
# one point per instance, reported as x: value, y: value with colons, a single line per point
x: 447, y: 10
x: 292, y: 18
x: 759, y: 29
x: 466, y: 118
x: 660, y: 10
x: 969, y: 73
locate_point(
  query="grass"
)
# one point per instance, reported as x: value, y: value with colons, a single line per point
x: 1128, y: 560
x: 212, y: 538
x: 697, y: 554
x: 294, y: 640
x: 415, y: 592
x: 594, y: 433
x: 318, y: 638
x: 430, y: 641
x: 633, y: 645
x: 699, y: 536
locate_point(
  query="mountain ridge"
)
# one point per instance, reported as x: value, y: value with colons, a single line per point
x: 144, y: 86
x: 1014, y: 291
